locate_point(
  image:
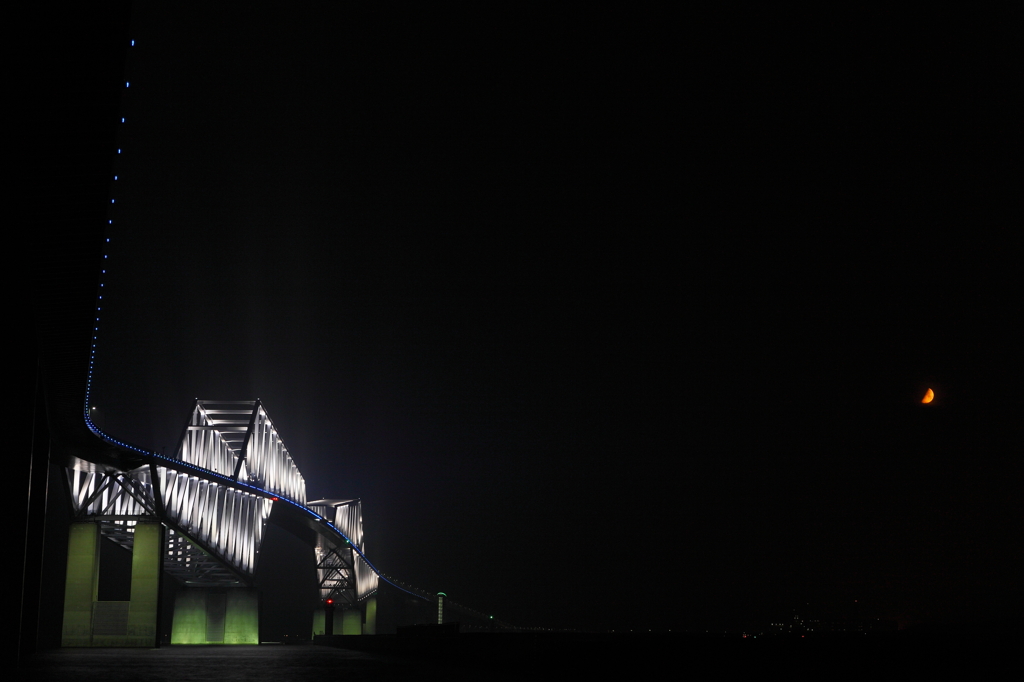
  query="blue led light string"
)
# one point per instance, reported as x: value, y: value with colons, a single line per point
x: 180, y: 465
x: 99, y: 308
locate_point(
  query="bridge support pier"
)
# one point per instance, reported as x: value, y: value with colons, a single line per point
x: 81, y: 586
x: 210, y: 615
x: 90, y: 622
x: 370, y: 612
x: 354, y: 621
x: 319, y: 621
x: 145, y: 594
x: 320, y: 625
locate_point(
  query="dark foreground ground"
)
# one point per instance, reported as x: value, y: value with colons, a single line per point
x: 528, y: 657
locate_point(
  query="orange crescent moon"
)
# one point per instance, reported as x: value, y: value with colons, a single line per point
x: 928, y: 396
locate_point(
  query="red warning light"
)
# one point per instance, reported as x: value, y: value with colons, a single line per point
x: 330, y: 601
x: 274, y: 499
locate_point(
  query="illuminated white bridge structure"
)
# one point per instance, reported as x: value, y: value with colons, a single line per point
x: 230, y: 473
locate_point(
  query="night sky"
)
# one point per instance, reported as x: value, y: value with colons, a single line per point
x: 616, y: 322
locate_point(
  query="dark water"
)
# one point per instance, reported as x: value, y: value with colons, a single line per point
x: 525, y: 657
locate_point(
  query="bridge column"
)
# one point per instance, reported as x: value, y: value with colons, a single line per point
x: 189, y: 621
x: 352, y: 623
x: 328, y: 620
x: 319, y: 627
x: 242, y: 617
x: 145, y: 594
x: 211, y: 615
x: 90, y: 622
x: 81, y: 586
x: 370, y: 625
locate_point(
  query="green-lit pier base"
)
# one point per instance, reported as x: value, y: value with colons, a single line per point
x: 352, y: 622
x: 210, y: 615
x: 82, y: 583
x: 355, y: 621
x: 318, y: 621
x: 90, y: 622
x: 370, y: 616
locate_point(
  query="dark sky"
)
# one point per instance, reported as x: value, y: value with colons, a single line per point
x: 610, y: 322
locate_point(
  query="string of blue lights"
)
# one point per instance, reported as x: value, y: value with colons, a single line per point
x: 179, y: 465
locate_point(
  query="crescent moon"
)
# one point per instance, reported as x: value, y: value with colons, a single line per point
x: 928, y: 396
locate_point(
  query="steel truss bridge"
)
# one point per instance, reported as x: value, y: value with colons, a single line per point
x: 231, y: 472
x: 199, y: 515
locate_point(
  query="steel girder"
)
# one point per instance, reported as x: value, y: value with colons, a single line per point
x: 216, y: 503
x: 343, y: 574
x: 237, y: 439
x: 215, y: 530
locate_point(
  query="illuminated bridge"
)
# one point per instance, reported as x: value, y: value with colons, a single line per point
x: 200, y: 517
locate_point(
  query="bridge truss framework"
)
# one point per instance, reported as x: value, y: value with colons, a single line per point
x: 214, y: 497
